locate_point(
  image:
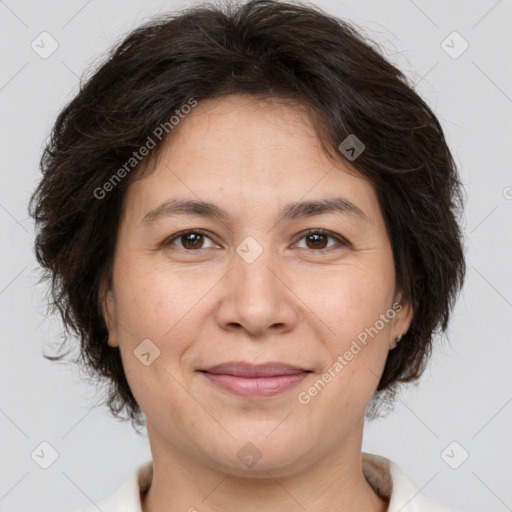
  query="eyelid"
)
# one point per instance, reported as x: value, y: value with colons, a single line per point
x: 169, y: 240
x: 343, y: 241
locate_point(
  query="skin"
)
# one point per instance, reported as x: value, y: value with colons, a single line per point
x: 206, y: 305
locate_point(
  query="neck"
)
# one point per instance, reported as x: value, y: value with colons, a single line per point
x: 334, y: 482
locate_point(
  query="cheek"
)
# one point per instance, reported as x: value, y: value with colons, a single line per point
x: 350, y: 298
x: 152, y: 302
x: 156, y: 332
x: 168, y: 309
x: 355, y: 338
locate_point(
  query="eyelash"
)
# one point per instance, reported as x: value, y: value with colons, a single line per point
x: 304, y: 234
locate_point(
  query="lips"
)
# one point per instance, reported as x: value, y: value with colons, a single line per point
x: 255, y: 381
x: 248, y: 370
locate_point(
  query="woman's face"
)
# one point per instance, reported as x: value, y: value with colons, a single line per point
x: 252, y: 287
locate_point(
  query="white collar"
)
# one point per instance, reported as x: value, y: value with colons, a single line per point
x: 385, y: 477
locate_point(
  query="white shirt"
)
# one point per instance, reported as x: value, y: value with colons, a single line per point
x: 384, y: 476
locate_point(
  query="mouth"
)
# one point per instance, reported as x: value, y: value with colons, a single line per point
x: 255, y: 381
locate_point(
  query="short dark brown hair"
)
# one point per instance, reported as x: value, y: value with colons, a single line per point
x: 264, y: 48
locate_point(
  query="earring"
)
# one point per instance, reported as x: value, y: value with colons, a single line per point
x: 398, y: 338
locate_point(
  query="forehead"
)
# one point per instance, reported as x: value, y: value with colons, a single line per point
x: 248, y: 152
x: 244, y: 128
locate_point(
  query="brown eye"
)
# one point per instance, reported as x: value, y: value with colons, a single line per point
x: 318, y: 240
x: 190, y: 240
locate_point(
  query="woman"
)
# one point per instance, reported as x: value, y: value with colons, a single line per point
x: 250, y: 220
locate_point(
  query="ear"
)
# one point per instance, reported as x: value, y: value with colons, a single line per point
x: 402, y: 319
x: 107, y: 306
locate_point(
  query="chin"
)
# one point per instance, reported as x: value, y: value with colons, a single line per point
x: 256, y: 455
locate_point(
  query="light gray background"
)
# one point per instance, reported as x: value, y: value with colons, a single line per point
x: 465, y: 394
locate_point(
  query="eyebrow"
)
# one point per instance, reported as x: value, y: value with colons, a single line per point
x: 291, y: 211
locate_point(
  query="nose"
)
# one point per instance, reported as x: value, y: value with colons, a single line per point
x: 256, y: 298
